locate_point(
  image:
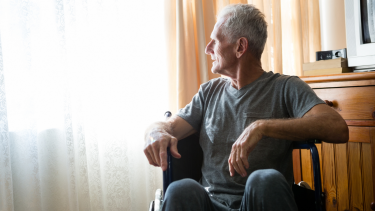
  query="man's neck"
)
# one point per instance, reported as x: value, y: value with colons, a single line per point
x: 246, y: 72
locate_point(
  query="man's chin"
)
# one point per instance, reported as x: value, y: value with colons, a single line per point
x: 220, y: 72
x: 215, y: 71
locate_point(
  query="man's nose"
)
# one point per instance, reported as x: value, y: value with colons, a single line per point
x: 208, y: 49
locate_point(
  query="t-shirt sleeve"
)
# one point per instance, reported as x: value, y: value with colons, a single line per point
x: 299, y: 97
x: 193, y: 112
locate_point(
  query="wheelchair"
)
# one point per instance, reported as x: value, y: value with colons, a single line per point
x: 189, y: 166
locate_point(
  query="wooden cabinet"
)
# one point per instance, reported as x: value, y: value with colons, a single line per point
x: 348, y: 170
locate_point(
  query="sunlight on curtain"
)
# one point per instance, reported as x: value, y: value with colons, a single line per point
x: 79, y: 83
x: 293, y: 34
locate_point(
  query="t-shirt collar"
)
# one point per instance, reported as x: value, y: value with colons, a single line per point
x: 243, y: 90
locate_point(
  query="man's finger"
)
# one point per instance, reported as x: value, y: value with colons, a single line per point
x: 231, y: 168
x: 149, y: 158
x: 163, y: 155
x: 163, y: 158
x: 240, y: 165
x: 244, y: 158
x: 155, y: 150
x: 151, y: 153
x: 233, y: 161
x: 174, y: 150
x: 234, y: 164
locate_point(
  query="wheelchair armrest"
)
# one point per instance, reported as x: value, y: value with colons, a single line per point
x: 167, y: 174
x: 316, y: 168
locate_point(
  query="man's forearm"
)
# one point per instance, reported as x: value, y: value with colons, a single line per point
x: 174, y: 126
x: 328, y: 128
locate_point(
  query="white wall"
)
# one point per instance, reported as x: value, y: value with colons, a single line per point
x: 332, y: 24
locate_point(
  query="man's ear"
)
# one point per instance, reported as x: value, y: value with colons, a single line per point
x: 242, y: 45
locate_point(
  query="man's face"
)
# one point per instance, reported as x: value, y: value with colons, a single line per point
x: 222, y: 52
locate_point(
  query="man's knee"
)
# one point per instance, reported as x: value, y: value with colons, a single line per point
x: 186, y: 194
x: 265, y: 179
x: 183, y: 188
x: 268, y: 190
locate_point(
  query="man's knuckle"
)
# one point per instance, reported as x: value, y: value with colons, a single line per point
x: 166, y: 138
x: 164, y: 141
x: 162, y: 153
x: 155, y: 145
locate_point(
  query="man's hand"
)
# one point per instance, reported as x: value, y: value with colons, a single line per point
x: 156, y: 147
x: 242, y: 147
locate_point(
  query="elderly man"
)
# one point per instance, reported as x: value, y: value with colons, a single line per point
x: 246, y: 123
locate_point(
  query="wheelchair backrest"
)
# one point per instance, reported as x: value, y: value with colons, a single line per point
x: 190, y: 163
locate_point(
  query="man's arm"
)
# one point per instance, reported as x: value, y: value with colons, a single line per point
x: 321, y: 122
x: 161, y: 135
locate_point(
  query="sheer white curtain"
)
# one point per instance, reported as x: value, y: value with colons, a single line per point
x: 79, y: 83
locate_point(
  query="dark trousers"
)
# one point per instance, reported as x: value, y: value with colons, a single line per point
x: 265, y: 190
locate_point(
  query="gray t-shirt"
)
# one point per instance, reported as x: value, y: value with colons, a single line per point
x: 220, y: 113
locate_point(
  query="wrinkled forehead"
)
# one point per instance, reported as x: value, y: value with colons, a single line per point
x: 217, y: 28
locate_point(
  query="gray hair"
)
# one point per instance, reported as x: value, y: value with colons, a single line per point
x: 245, y: 20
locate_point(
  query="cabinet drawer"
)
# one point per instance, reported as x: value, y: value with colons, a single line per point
x: 351, y: 102
x: 359, y: 134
